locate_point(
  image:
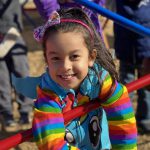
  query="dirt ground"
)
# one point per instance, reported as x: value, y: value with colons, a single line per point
x: 37, y: 66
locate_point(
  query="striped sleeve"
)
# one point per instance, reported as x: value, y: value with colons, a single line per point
x: 120, y: 115
x: 48, y: 123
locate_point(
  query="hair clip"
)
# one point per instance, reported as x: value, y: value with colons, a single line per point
x: 53, y: 19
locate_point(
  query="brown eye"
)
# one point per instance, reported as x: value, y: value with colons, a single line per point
x: 75, y: 57
x: 55, y: 58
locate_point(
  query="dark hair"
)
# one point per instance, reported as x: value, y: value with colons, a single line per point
x: 94, y: 41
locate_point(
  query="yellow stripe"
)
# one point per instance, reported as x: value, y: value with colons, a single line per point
x: 73, y: 148
x: 106, y: 86
x: 131, y: 120
x: 50, y: 138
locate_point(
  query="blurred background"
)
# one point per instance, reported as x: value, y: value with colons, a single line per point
x: 32, y: 19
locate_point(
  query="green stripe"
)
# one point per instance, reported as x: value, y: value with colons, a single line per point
x: 107, y: 77
x: 124, y: 146
x: 124, y: 117
x: 50, y: 109
x: 114, y: 97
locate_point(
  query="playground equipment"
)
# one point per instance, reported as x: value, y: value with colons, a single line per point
x: 13, y: 141
x: 104, y: 12
x: 115, y: 17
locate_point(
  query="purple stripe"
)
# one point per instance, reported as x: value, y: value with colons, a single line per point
x: 123, y: 137
x: 47, y: 100
x: 44, y: 99
x: 118, y: 108
x: 49, y: 121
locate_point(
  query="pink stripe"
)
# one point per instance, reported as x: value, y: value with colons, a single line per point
x: 121, y: 107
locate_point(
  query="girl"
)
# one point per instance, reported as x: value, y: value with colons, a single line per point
x: 79, y: 70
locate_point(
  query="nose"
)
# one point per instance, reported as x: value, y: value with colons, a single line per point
x: 66, y: 65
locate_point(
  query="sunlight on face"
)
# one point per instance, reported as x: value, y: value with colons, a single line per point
x: 68, y: 59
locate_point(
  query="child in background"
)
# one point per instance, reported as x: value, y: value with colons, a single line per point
x: 13, y: 59
x: 46, y: 7
x: 80, y: 69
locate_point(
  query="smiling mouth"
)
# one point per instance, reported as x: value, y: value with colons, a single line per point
x: 67, y: 77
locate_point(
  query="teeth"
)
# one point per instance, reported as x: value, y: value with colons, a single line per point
x: 66, y: 76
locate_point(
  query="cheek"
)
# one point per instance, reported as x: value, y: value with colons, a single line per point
x: 82, y: 67
x: 52, y: 68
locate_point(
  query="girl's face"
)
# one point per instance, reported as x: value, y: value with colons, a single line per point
x: 68, y: 59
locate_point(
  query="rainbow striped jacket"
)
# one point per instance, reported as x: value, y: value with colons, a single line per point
x: 112, y: 125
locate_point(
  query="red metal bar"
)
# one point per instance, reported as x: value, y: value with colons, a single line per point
x: 14, y: 140
x: 137, y: 84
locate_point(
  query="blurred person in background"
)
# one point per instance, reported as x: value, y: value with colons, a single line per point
x: 133, y: 51
x: 13, y: 59
x: 46, y: 7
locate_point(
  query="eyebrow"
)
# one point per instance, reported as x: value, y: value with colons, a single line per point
x: 52, y: 52
x: 74, y: 51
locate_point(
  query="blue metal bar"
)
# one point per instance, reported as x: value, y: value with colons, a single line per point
x: 116, y: 18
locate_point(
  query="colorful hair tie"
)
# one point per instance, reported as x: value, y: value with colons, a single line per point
x: 54, y: 19
x: 38, y: 33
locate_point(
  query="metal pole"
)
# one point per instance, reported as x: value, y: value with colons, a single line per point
x: 115, y: 17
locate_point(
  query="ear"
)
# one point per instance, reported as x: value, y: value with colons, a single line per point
x: 92, y: 57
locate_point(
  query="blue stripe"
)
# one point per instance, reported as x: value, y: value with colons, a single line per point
x: 124, y: 141
x: 119, y: 87
x: 65, y: 147
x: 46, y: 104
